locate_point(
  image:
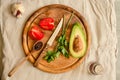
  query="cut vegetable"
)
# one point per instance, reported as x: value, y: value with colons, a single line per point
x: 47, y: 23
x: 35, y: 33
x: 78, y: 42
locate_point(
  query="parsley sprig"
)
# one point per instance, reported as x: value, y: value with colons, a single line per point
x: 62, y: 44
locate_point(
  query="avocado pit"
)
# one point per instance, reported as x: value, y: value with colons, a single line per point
x: 77, y: 44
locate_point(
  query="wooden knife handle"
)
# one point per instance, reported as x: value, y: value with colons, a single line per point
x: 18, y: 65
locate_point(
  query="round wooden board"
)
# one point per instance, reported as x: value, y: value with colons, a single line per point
x: 56, y: 11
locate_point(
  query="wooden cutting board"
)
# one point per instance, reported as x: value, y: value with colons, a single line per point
x: 56, y: 11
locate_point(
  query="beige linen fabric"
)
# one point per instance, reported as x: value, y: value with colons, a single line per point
x: 100, y: 15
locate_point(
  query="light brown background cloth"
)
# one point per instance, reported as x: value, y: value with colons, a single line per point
x: 99, y: 14
x: 117, y: 9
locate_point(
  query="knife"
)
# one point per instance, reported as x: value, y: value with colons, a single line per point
x: 49, y: 43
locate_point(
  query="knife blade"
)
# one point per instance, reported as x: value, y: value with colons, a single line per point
x: 50, y: 41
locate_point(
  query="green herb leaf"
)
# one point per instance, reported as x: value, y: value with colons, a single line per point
x: 66, y: 43
x: 49, y: 56
x: 64, y: 51
x: 49, y: 60
x: 46, y: 57
x: 60, y: 39
x: 57, y: 54
x: 52, y: 58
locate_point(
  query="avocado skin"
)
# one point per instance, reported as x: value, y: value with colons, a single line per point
x: 77, y: 30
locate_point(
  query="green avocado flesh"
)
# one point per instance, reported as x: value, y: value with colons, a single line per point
x: 78, y: 42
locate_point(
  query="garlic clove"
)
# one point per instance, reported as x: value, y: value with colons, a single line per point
x: 17, y: 10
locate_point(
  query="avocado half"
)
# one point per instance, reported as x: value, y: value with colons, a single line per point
x: 78, y: 42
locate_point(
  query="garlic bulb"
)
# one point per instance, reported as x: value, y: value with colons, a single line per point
x: 17, y: 9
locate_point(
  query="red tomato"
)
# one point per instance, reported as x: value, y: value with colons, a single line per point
x: 47, y: 23
x: 35, y: 33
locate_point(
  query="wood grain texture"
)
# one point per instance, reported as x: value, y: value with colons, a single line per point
x: 55, y: 11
